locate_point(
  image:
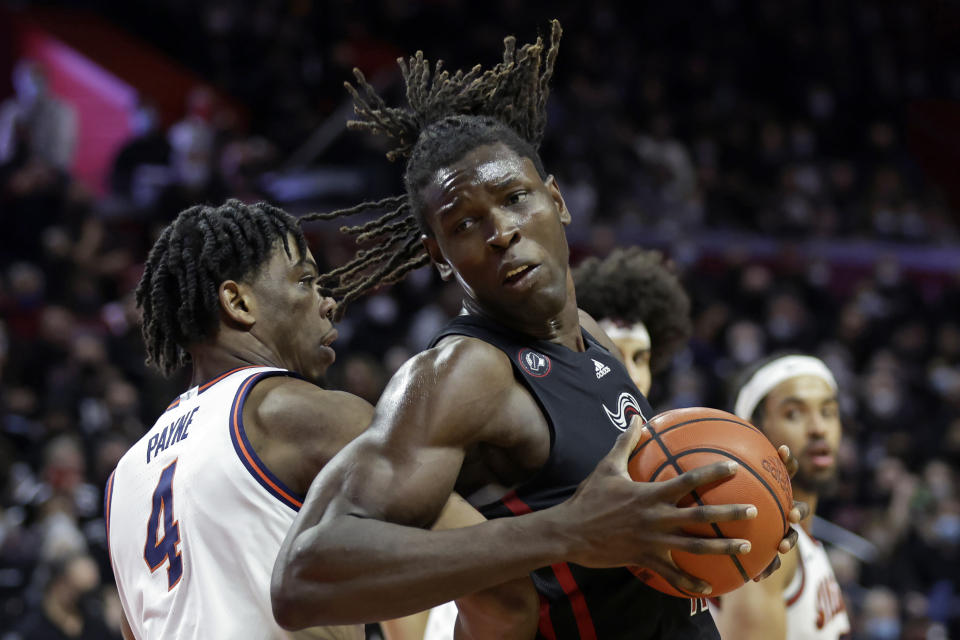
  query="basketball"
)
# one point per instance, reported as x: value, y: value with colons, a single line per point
x: 682, y: 439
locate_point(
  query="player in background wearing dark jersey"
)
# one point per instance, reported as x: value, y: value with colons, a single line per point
x: 793, y: 399
x: 519, y: 405
x: 640, y: 304
x: 229, y: 289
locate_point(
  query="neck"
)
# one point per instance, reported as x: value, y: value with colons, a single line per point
x: 562, y: 328
x: 810, y: 498
x: 211, y: 360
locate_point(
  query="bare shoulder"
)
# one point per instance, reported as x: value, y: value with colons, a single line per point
x: 295, y: 407
x: 296, y: 427
x: 447, y: 393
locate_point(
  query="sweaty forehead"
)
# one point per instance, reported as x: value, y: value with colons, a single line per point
x: 485, y: 166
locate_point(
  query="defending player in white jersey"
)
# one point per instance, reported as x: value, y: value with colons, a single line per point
x: 197, y: 509
x: 793, y: 399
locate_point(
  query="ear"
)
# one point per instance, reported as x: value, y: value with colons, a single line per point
x: 237, y: 303
x: 554, y: 189
x: 436, y: 256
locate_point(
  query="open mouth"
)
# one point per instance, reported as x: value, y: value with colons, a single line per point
x: 821, y: 455
x: 518, y: 273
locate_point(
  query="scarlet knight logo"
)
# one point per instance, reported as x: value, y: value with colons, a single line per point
x: 627, y: 407
x: 534, y: 362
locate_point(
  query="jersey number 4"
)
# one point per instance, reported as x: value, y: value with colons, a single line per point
x: 164, y: 547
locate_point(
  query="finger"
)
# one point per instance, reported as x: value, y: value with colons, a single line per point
x: 626, y: 443
x: 677, y: 487
x: 799, y: 512
x: 773, y: 566
x: 706, y: 546
x: 789, y: 460
x: 678, y: 578
x: 686, y: 516
x: 789, y: 541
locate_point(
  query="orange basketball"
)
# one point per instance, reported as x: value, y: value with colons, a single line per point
x: 683, y: 439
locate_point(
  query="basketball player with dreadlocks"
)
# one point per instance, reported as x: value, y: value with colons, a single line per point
x: 196, y: 510
x: 508, y: 406
x: 640, y: 304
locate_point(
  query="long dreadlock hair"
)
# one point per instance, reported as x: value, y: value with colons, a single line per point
x: 179, y: 291
x: 446, y: 117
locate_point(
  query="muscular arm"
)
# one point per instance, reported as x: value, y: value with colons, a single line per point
x: 355, y: 552
x: 757, y: 611
x: 358, y: 534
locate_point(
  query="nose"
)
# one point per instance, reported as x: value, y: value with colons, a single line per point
x: 817, y: 426
x: 327, y: 305
x: 504, y: 231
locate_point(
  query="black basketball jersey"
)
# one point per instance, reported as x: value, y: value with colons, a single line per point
x: 588, y: 400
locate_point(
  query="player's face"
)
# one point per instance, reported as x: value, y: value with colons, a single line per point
x: 634, y: 344
x: 803, y: 413
x: 293, y: 319
x: 499, y: 230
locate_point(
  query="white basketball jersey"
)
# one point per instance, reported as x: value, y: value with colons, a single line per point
x: 195, y: 521
x: 441, y: 621
x: 815, y: 609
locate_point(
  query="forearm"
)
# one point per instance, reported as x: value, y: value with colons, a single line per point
x: 337, y: 572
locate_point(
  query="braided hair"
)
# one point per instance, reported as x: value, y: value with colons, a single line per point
x: 446, y: 117
x: 633, y: 285
x: 179, y: 291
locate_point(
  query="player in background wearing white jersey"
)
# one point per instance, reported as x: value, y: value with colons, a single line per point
x: 197, y: 509
x: 793, y: 400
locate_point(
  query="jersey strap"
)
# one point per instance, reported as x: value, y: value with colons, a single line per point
x: 245, y: 451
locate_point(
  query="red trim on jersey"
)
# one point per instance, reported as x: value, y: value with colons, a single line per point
x: 546, y: 624
x: 803, y: 579
x: 252, y: 463
x: 577, y: 602
x: 517, y: 506
x: 206, y: 385
x: 568, y: 583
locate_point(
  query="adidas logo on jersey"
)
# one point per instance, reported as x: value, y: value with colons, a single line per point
x: 601, y: 368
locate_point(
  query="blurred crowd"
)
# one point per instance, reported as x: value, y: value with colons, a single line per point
x: 783, y: 120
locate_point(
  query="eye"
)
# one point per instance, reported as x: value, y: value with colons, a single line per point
x: 516, y: 197
x: 308, y: 280
x: 792, y: 414
x: 464, y: 224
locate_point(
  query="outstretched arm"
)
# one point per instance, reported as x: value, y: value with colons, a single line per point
x: 356, y: 552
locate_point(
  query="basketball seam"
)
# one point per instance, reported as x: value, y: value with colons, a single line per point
x: 673, y: 460
x: 681, y: 424
x: 743, y: 464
